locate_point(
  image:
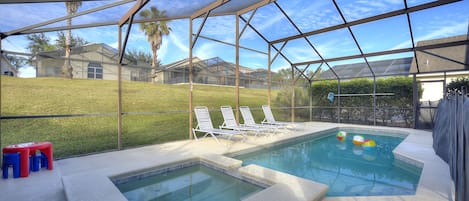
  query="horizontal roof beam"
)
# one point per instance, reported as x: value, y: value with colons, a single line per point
x: 18, y: 31
x: 129, y: 15
x: 396, y: 51
x: 254, y: 6
x: 29, y: 1
x: 368, y: 19
x: 208, y: 8
x: 231, y: 44
x: 366, y: 76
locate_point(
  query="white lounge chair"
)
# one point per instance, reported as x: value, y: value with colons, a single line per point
x: 270, y: 120
x: 230, y: 123
x: 249, y: 120
x: 204, y: 125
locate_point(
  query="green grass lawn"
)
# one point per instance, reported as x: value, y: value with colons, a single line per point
x: 154, y: 113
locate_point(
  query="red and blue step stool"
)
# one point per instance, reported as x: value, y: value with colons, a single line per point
x: 11, y: 159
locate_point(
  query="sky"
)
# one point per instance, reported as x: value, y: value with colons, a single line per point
x: 387, y: 34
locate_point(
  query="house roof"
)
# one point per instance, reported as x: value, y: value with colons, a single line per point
x: 102, y: 48
x: 180, y: 63
x: 433, y: 60
x: 387, y: 67
x: 212, y: 64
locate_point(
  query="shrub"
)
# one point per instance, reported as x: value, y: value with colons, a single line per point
x: 456, y: 85
x: 356, y: 109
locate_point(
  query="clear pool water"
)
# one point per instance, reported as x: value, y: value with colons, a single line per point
x: 191, y: 183
x: 347, y: 169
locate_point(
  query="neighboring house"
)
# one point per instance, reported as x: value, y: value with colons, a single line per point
x: 433, y: 60
x: 6, y: 67
x: 212, y: 71
x: 91, y: 61
x: 381, y: 68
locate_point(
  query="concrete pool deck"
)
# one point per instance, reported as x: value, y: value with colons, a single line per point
x: 87, y: 177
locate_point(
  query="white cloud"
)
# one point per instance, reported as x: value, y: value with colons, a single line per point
x: 354, y: 10
x: 21, y: 15
x: 221, y: 27
x: 445, y: 31
x: 452, y: 29
x: 299, y: 54
x: 207, y: 50
x: 312, y: 16
x: 175, y: 39
x: 252, y: 59
x: 263, y: 21
x: 163, y: 49
x: 115, y: 45
x: 336, y: 47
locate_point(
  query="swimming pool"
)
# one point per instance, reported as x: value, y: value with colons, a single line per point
x: 347, y: 169
x: 195, y: 182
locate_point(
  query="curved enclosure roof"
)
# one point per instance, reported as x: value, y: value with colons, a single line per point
x: 339, y: 39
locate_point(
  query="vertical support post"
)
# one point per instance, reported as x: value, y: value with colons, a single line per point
x: 409, y: 24
x: 119, y: 93
x: 269, y: 76
x: 310, y: 100
x: 190, y: 78
x: 1, y: 156
x: 467, y: 49
x: 338, y: 100
x: 374, y: 100
x: 444, y: 84
x: 292, y: 94
x: 36, y: 67
x: 415, y: 100
x: 237, y: 68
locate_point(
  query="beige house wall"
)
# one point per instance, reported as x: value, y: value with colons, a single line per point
x: 53, y: 67
x: 430, y: 63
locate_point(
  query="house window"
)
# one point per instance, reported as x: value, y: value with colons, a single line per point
x: 95, y: 71
x: 139, y: 75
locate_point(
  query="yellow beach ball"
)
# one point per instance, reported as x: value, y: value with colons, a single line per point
x: 369, y: 144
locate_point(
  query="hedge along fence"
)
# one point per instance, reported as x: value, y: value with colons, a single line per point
x: 394, y: 110
x: 456, y: 85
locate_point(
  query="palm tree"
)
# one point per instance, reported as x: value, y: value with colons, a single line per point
x: 154, y: 31
x: 67, y: 69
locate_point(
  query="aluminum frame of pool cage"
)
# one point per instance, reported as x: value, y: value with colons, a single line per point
x: 206, y: 12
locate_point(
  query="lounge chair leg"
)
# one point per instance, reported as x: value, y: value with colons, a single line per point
x: 214, y: 137
x: 195, y: 136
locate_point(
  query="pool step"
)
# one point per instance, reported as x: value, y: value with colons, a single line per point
x: 285, y: 186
